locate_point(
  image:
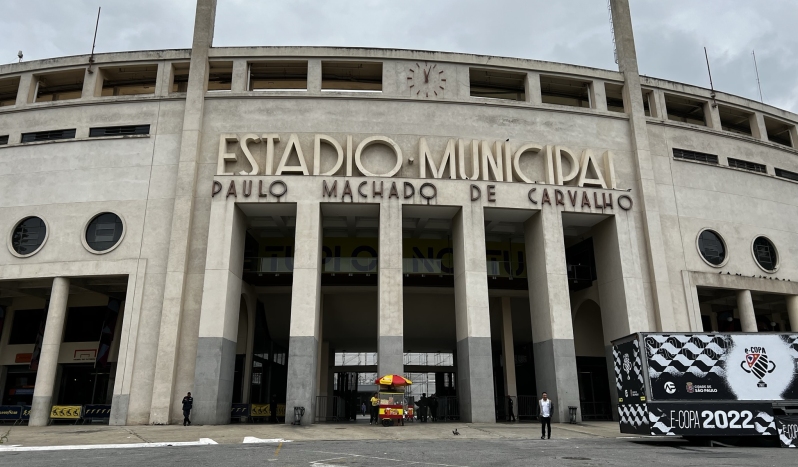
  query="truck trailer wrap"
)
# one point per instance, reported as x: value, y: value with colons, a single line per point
x: 708, y: 384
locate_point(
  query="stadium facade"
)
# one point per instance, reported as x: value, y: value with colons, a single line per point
x: 269, y: 224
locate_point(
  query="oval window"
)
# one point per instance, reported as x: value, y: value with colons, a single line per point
x: 712, y: 247
x: 104, y: 231
x: 28, y: 236
x: 765, y: 254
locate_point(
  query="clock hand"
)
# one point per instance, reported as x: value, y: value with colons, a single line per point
x: 426, y: 76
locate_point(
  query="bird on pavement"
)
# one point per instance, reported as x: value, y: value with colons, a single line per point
x: 455, y: 432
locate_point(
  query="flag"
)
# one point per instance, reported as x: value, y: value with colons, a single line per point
x: 107, y: 333
x: 37, y: 348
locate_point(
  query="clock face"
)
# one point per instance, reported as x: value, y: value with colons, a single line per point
x: 426, y: 80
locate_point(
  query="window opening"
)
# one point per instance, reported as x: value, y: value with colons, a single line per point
x: 351, y: 76
x: 497, y: 84
x: 765, y: 254
x: 712, y: 247
x: 687, y: 155
x: 565, y: 91
x: 8, y: 91
x: 28, y: 235
x: 119, y: 130
x: 59, y: 86
x: 283, y: 75
x: 615, y: 97
x: 3, y: 140
x: 787, y: 174
x: 682, y: 109
x: 179, y: 77
x: 734, y: 120
x: 220, y: 76
x: 129, y: 80
x: 745, y: 165
x: 104, y: 231
x: 50, y: 135
x: 647, y: 96
x: 778, y: 131
x: 25, y: 326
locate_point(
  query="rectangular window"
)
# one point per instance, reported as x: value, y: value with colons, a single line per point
x: 84, y: 324
x: 8, y: 91
x: 129, y: 80
x: 778, y: 131
x: 614, y: 97
x: 647, y: 97
x: 179, y: 77
x: 686, y: 155
x: 745, y: 165
x: 25, y: 326
x: 565, y: 91
x: 735, y: 120
x: 119, y: 130
x: 278, y: 75
x: 787, y: 174
x: 220, y: 76
x: 682, y: 109
x: 59, y: 86
x: 3, y: 139
x: 497, y: 84
x: 51, y: 135
x: 351, y: 76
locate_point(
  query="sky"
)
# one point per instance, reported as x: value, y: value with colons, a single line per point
x: 670, y: 34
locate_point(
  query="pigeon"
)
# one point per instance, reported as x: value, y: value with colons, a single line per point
x: 455, y: 432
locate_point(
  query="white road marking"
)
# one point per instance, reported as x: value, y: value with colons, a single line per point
x: 252, y: 439
x: 344, y: 455
x: 17, y: 448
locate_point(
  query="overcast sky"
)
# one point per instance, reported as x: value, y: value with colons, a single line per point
x: 670, y: 34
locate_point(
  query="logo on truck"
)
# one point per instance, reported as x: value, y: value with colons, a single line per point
x: 670, y: 388
x: 758, y: 364
x: 627, y: 365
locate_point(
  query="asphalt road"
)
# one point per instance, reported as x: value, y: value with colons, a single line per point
x: 456, y: 452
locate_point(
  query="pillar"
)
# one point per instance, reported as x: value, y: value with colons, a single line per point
x: 240, y: 76
x: 48, y: 359
x: 758, y: 129
x: 532, y: 85
x: 792, y: 311
x: 305, y: 305
x: 472, y: 317
x: 712, y: 115
x: 508, y: 348
x: 219, y: 315
x: 390, y: 341
x: 550, y: 307
x: 598, y: 95
x: 182, y: 215
x: 745, y: 309
x: 314, y: 76
x: 646, y: 198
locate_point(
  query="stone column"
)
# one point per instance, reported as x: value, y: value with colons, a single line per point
x: 305, y: 323
x: 598, y: 95
x: 646, y: 198
x: 792, y: 311
x: 182, y: 215
x: 508, y: 348
x: 219, y: 315
x: 550, y: 307
x: 745, y: 308
x: 758, y: 129
x: 472, y: 316
x: 712, y: 116
x: 48, y: 359
x: 390, y: 341
x: 532, y: 88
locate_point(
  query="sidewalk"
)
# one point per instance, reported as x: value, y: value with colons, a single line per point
x: 65, y: 435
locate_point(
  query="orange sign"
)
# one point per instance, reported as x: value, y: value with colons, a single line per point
x: 23, y: 358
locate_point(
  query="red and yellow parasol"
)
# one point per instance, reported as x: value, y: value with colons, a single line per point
x: 393, y: 380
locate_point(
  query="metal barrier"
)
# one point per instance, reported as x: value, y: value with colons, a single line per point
x: 93, y: 412
x: 330, y: 409
x: 596, y: 410
x: 14, y: 413
x: 239, y: 411
x: 448, y: 409
x: 527, y: 408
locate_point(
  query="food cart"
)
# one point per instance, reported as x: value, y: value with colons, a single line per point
x: 393, y: 404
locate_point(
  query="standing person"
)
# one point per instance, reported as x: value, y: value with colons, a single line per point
x: 363, y: 409
x: 273, y: 409
x: 545, y: 406
x: 188, y: 404
x: 510, y: 411
x: 433, y: 406
x: 375, y: 407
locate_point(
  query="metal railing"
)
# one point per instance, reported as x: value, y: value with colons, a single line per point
x: 506, y: 269
x: 527, y: 408
x: 596, y: 410
x: 330, y: 409
x: 351, y: 265
x: 423, y: 266
x: 269, y: 265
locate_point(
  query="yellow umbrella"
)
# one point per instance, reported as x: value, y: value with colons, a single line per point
x: 393, y: 380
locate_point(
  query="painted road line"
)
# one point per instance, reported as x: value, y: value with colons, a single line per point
x: 252, y: 440
x: 17, y: 448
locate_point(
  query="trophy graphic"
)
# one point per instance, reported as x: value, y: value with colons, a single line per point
x: 757, y: 363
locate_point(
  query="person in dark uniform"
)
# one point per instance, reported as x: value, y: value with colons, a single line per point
x: 273, y: 409
x: 422, y: 404
x: 188, y: 404
x: 433, y: 407
x: 510, y: 409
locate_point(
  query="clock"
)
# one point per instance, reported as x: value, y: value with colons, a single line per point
x: 426, y: 81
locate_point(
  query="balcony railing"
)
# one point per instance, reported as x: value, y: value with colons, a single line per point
x: 505, y: 269
x: 269, y: 265
x: 424, y: 266
x: 352, y: 265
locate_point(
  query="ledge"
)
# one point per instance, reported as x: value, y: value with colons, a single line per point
x: 72, y: 140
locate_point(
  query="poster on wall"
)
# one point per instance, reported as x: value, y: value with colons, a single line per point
x: 731, y: 367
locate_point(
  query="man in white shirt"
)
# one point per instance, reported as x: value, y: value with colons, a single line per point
x: 545, y: 406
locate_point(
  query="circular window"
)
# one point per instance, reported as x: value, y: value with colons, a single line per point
x: 28, y: 236
x: 765, y: 254
x: 712, y: 248
x: 104, y: 232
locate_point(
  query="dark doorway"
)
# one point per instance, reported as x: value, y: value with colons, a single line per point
x: 81, y: 384
x: 594, y: 388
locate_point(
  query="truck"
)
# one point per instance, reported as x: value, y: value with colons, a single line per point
x: 716, y: 385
